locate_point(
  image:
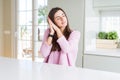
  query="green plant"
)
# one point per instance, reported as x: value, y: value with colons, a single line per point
x: 42, y: 13
x: 112, y: 35
x: 102, y: 35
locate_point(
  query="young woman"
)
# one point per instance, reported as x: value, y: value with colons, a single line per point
x: 60, y: 43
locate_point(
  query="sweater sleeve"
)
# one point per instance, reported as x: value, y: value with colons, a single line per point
x: 45, y: 48
x: 70, y: 46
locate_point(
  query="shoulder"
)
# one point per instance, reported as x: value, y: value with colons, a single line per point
x: 47, y: 30
x: 75, y: 33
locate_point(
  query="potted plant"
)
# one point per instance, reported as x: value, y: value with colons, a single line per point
x: 107, y: 40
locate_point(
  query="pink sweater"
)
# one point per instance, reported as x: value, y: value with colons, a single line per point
x: 69, y: 48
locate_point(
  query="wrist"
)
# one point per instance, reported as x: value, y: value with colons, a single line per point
x: 51, y: 35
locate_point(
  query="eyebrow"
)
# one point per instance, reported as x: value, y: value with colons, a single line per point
x: 59, y: 16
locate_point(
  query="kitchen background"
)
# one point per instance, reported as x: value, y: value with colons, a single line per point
x: 23, y: 22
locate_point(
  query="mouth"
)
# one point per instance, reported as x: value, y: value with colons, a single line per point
x: 63, y: 23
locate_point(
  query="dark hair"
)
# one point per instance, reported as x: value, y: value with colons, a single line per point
x: 66, y: 31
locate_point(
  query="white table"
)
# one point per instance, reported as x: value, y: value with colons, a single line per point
x: 11, y: 69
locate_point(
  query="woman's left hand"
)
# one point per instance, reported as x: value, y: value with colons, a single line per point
x: 53, y: 25
x: 52, y: 31
x: 58, y: 31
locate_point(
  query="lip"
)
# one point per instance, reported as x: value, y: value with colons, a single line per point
x: 63, y: 22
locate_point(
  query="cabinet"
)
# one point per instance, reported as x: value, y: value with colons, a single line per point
x: 1, y: 27
x: 100, y: 62
x: 106, y: 4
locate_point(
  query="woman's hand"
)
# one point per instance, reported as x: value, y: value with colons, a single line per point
x: 52, y: 25
x: 52, y: 31
x: 54, y: 28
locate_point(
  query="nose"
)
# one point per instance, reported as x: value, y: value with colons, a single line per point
x: 62, y: 18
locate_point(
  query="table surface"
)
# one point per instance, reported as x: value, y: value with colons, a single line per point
x: 12, y: 69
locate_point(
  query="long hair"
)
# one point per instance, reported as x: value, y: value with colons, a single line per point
x: 66, y: 31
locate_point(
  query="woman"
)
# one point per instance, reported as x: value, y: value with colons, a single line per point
x: 60, y: 43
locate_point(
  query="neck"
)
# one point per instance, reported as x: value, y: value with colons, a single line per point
x: 62, y: 29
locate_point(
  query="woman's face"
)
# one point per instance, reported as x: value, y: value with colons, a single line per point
x: 60, y: 19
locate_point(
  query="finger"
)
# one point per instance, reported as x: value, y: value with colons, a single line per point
x: 50, y: 24
x: 50, y: 21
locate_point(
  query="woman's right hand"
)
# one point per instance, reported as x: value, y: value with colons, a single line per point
x: 52, y: 31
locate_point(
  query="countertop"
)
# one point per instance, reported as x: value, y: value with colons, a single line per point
x: 13, y: 69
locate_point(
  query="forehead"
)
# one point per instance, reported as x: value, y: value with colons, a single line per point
x: 58, y: 13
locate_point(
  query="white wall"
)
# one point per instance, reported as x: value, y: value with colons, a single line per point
x: 75, y: 13
x: 1, y: 26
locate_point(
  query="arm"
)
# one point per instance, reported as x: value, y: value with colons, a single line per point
x: 47, y: 41
x: 70, y: 46
x: 46, y: 44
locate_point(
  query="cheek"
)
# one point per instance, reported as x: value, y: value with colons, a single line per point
x: 58, y: 22
x: 66, y: 20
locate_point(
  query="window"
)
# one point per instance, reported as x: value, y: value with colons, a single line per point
x: 31, y: 24
x: 110, y: 21
x: 97, y: 20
